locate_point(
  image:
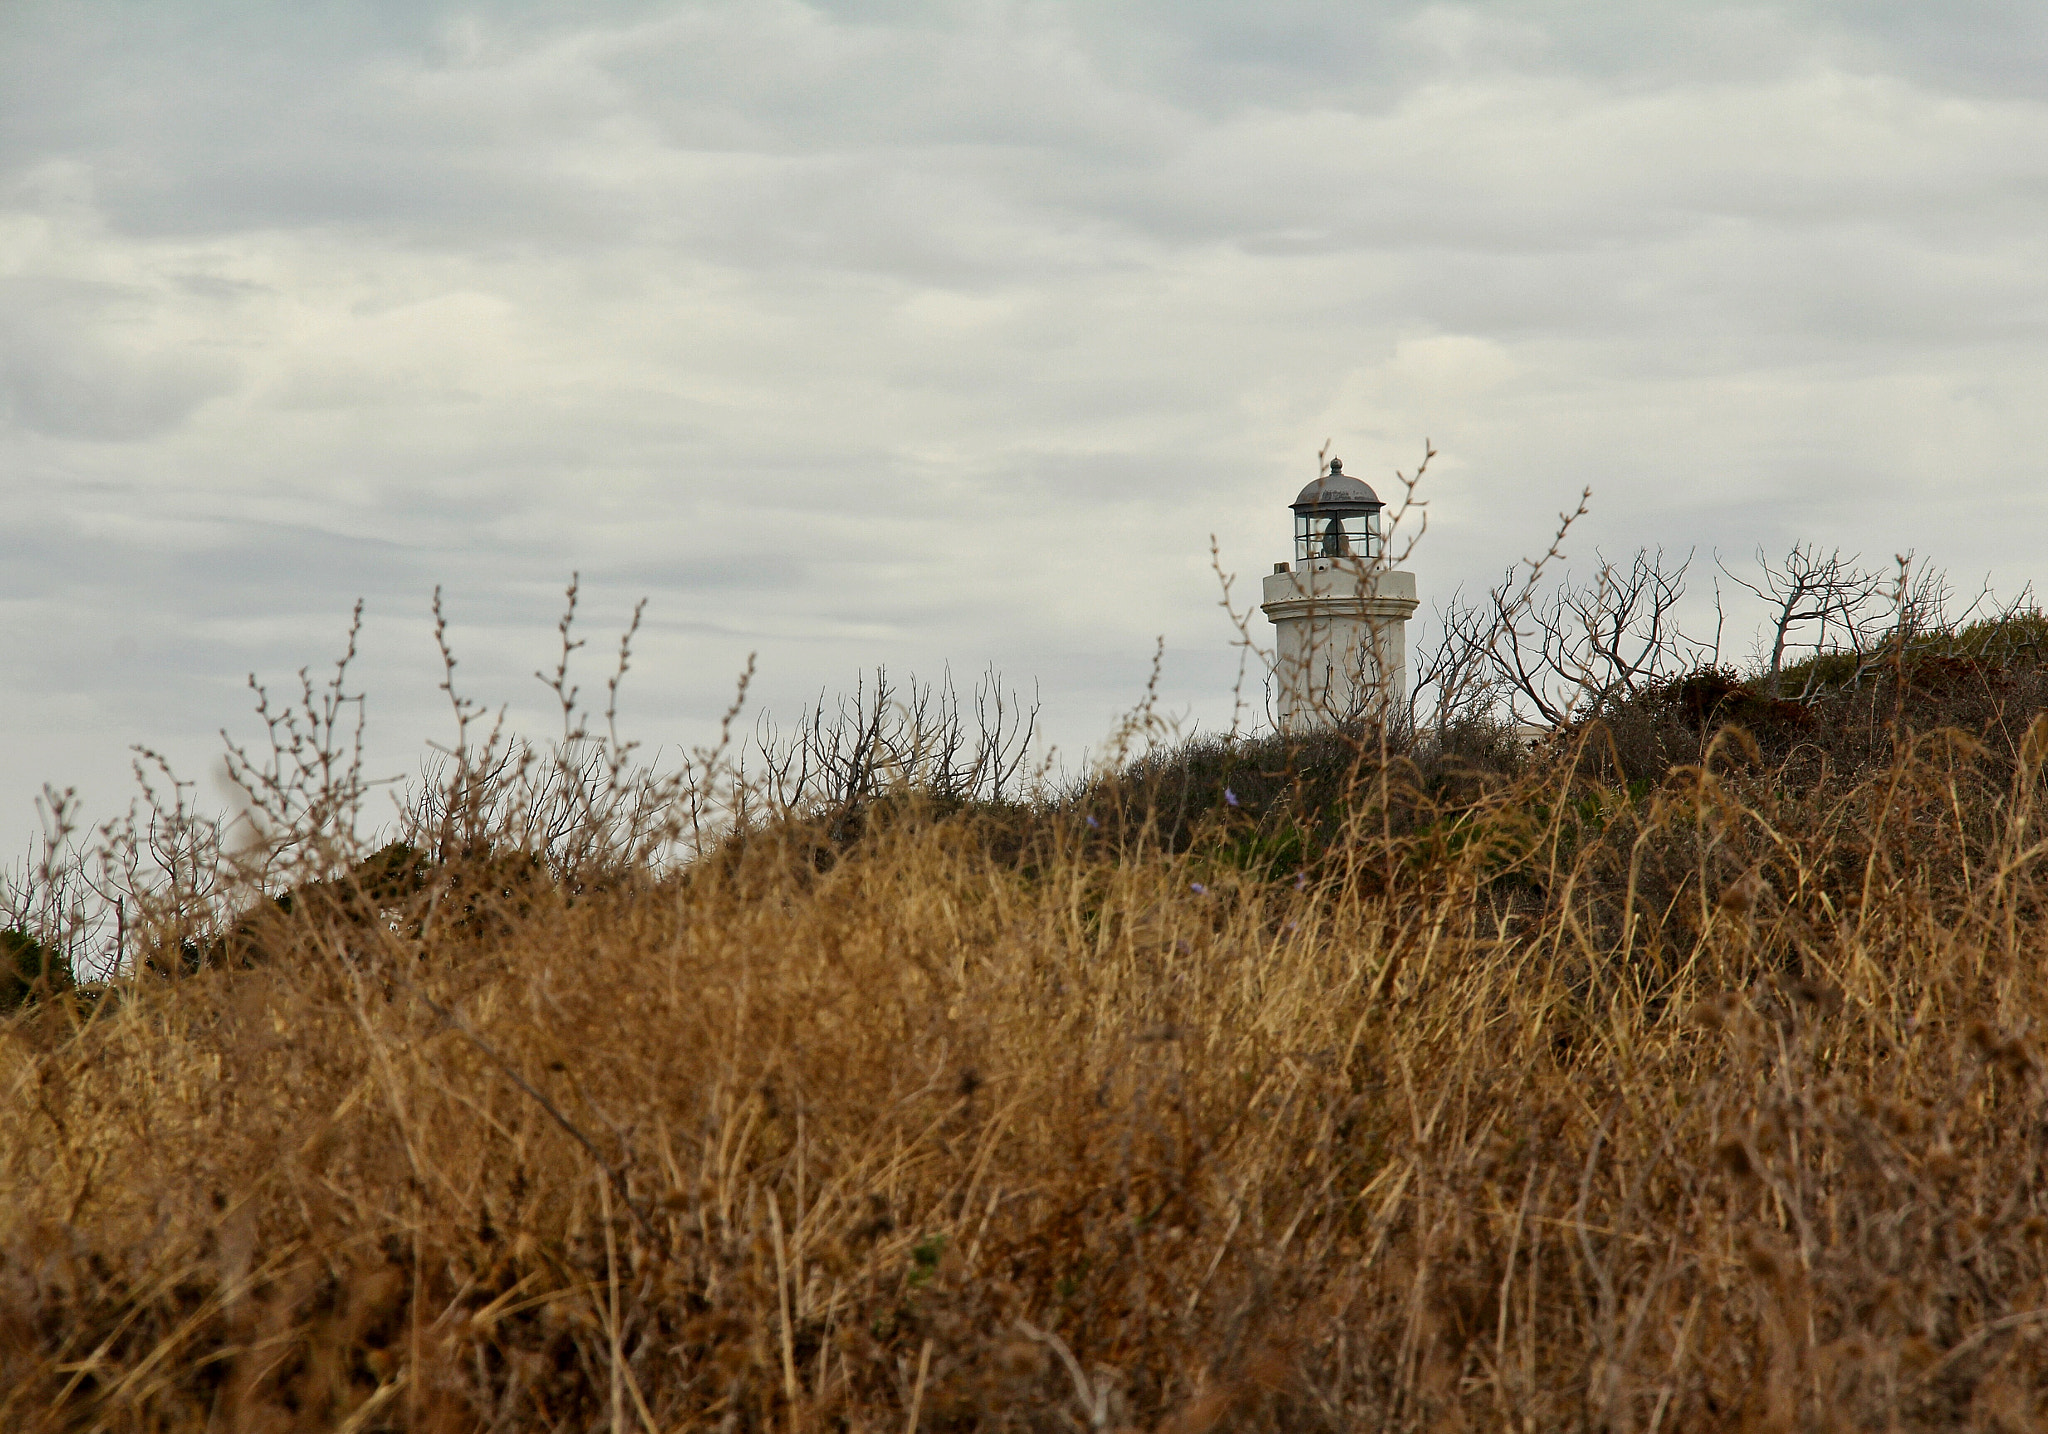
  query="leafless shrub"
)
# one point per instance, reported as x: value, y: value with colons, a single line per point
x: 887, y: 739
x: 48, y: 896
x: 1823, y: 604
x: 580, y: 803
x: 1456, y: 680
x: 1832, y: 625
x: 303, y: 789
x: 1582, y: 647
x: 1548, y: 650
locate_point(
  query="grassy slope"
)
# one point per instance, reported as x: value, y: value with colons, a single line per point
x: 1546, y: 1099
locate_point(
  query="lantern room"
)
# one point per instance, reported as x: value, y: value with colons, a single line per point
x: 1336, y: 516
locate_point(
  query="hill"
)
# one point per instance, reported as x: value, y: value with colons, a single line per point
x: 1682, y: 1073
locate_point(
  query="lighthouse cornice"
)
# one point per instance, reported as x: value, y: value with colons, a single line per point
x: 1345, y: 590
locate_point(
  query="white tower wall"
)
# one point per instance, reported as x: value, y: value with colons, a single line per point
x: 1342, y: 646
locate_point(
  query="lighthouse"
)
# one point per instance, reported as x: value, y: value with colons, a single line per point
x: 1340, y: 611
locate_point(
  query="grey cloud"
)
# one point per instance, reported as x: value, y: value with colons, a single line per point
x: 109, y: 561
x: 66, y: 372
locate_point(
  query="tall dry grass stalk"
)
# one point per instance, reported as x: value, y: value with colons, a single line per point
x: 1713, y: 1104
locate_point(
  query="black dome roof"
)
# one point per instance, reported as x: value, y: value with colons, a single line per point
x: 1337, y: 489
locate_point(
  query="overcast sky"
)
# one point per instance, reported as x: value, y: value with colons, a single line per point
x: 913, y: 334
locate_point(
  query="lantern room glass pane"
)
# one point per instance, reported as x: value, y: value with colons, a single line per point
x: 1348, y: 535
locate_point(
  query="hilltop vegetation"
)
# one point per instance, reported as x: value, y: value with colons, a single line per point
x: 1679, y: 1073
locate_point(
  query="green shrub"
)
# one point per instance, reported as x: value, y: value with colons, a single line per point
x: 30, y: 971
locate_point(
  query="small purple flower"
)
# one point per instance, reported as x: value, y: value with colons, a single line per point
x: 1094, y: 824
x: 1198, y: 888
x: 1301, y: 881
x: 1230, y: 796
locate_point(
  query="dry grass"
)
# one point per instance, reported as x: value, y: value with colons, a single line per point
x: 1708, y: 1105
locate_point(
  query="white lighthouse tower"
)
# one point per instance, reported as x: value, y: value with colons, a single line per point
x: 1340, y: 611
